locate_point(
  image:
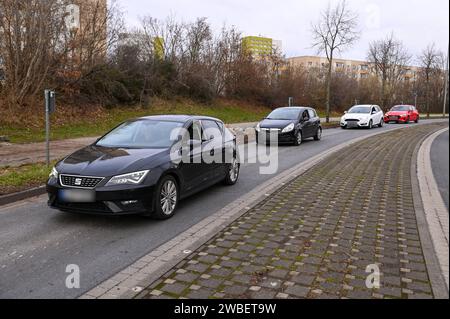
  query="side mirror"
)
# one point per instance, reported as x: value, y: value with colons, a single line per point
x: 345, y: 112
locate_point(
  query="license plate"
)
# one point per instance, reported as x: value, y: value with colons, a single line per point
x: 393, y: 118
x: 76, y: 196
x: 352, y: 124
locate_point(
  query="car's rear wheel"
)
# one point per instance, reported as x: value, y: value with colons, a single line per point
x: 318, y: 135
x: 298, y: 138
x: 233, y: 173
x: 167, y: 196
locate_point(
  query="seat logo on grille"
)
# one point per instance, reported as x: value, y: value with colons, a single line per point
x: 78, y: 182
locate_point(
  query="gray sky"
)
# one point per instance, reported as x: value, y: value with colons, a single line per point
x: 416, y: 22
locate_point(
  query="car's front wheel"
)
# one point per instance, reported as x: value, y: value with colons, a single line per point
x: 167, y: 196
x: 417, y: 120
x: 233, y: 173
x: 381, y: 123
x: 298, y: 138
x: 370, y: 124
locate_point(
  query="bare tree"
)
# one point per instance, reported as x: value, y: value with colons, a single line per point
x: 390, y: 59
x: 169, y: 31
x: 431, y: 62
x: 30, y: 44
x: 335, y: 32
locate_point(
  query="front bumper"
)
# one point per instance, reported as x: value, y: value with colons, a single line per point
x: 395, y: 119
x: 282, y: 138
x: 354, y: 124
x: 123, y: 200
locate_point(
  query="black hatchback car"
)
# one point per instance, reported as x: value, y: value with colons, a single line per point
x: 145, y: 166
x: 290, y: 125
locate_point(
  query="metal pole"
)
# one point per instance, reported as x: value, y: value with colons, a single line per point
x: 446, y: 86
x: 47, y: 126
x: 291, y: 101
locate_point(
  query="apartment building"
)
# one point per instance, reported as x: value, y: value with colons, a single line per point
x: 354, y: 68
x: 261, y: 46
x: 155, y: 45
x: 86, y: 21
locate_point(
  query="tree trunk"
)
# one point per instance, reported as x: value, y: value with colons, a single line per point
x: 330, y: 69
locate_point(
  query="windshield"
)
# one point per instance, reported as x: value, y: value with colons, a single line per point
x: 360, y: 110
x: 284, y: 114
x: 400, y: 108
x: 141, y: 134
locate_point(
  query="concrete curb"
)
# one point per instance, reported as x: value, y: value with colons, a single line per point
x: 131, y: 281
x: 12, y: 198
x: 432, y: 218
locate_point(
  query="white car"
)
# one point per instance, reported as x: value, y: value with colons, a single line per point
x: 366, y: 116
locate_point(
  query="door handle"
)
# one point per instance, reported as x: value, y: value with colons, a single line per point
x: 212, y: 152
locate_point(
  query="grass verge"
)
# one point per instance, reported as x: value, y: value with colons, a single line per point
x: 88, y: 126
x: 16, y: 179
x: 71, y: 122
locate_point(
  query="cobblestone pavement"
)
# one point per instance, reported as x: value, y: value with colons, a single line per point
x: 315, y: 237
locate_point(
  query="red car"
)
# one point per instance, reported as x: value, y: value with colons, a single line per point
x: 402, y: 114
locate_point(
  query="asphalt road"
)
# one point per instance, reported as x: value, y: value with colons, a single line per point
x: 36, y: 243
x: 440, y: 164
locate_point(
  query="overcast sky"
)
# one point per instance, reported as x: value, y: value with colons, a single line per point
x: 416, y: 22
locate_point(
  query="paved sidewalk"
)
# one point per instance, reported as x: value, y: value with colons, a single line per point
x: 315, y: 237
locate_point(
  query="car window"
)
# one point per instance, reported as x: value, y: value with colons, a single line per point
x: 374, y: 110
x: 359, y: 110
x: 211, y: 128
x: 312, y: 113
x: 221, y: 126
x: 305, y: 116
x: 195, y: 132
x: 284, y: 114
x: 141, y: 134
x: 400, y: 108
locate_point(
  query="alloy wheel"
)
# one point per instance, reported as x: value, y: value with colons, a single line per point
x: 299, y: 138
x: 169, y: 196
x: 234, y: 171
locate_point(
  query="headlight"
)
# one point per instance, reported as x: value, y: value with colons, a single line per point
x: 258, y: 127
x: 128, y: 179
x: 54, y: 173
x: 288, y: 128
